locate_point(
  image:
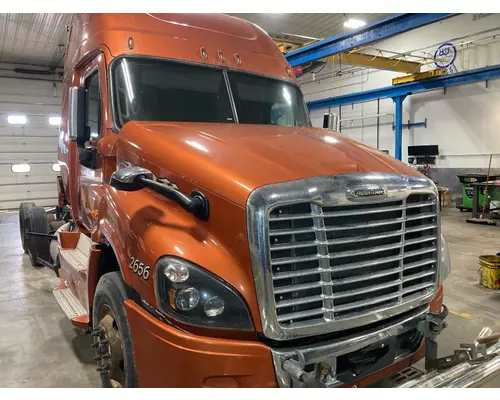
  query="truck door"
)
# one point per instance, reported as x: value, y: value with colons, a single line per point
x: 90, y: 182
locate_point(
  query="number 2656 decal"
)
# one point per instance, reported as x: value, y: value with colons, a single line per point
x: 139, y: 268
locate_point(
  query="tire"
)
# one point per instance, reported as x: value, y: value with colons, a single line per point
x: 37, y: 246
x: 110, y: 295
x: 23, y: 215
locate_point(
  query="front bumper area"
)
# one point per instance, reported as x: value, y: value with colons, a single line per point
x: 335, y: 363
x: 168, y: 357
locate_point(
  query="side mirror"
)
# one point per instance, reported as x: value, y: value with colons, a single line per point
x: 77, y: 127
x: 129, y: 179
x: 331, y: 121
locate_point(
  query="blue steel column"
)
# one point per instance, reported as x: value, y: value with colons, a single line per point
x: 398, y: 127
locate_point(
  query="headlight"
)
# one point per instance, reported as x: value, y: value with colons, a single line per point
x: 444, y: 262
x: 195, y: 296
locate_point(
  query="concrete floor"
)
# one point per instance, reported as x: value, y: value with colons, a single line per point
x: 40, y: 348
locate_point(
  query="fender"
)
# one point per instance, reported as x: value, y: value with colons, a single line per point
x: 146, y: 226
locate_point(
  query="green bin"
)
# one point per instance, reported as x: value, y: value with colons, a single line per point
x: 467, y: 189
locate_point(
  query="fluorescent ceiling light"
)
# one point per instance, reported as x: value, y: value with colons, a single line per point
x: 17, y: 119
x: 354, y: 23
x: 55, y: 121
x: 19, y: 168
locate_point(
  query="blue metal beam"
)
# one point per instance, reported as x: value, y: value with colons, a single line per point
x: 370, y: 33
x: 460, y: 78
x: 398, y: 127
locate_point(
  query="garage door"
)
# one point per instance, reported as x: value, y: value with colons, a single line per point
x: 28, y: 150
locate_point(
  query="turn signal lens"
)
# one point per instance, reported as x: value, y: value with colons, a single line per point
x: 187, y: 299
x: 214, y: 306
x: 176, y: 272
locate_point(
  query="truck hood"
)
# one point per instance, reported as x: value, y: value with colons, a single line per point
x: 232, y: 160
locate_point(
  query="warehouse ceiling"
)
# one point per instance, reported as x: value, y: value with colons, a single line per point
x: 312, y: 25
x: 33, y: 38
x: 39, y: 39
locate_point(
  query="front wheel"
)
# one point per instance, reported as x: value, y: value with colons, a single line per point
x: 112, y: 337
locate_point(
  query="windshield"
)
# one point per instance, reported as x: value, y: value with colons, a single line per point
x: 159, y: 90
x: 260, y: 100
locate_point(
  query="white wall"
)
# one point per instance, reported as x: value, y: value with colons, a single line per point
x: 34, y: 143
x: 464, y: 122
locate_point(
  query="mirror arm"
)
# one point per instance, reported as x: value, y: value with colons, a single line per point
x: 196, y: 204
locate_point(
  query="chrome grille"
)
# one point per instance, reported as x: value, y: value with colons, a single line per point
x: 343, y: 262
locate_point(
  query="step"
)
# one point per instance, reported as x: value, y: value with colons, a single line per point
x: 75, y: 258
x: 78, y: 258
x: 70, y: 304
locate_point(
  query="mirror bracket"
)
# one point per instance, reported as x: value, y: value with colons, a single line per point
x: 135, y: 178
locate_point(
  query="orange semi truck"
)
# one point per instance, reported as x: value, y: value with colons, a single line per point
x: 208, y: 236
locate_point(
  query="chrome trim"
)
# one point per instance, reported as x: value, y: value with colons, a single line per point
x: 329, y: 351
x: 73, y: 112
x: 325, y: 191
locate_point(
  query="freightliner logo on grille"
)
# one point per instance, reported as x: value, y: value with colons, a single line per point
x: 365, y: 192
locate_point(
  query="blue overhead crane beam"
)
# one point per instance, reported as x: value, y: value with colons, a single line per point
x: 404, y: 89
x: 370, y: 33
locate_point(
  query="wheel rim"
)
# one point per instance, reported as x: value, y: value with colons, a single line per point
x: 109, y: 349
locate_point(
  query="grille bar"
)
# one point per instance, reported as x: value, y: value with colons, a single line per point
x: 420, y: 252
x: 421, y: 216
x: 335, y: 282
x: 418, y: 264
x: 418, y: 275
x: 341, y: 254
x: 421, y: 228
x: 361, y: 225
x: 345, y: 267
x: 336, y: 241
x: 329, y: 214
x: 420, y: 286
x: 422, y: 239
x: 343, y: 281
x: 421, y: 204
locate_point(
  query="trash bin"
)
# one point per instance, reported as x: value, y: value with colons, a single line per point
x: 489, y: 271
